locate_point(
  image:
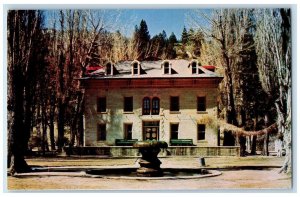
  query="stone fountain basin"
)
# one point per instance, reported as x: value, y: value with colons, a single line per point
x: 168, y: 173
x: 120, y: 173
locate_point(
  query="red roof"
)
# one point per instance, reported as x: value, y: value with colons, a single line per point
x: 209, y: 67
x: 93, y: 68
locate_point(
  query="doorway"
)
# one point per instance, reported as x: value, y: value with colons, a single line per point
x: 151, y: 130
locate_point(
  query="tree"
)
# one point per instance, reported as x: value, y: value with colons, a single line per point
x: 184, y: 37
x: 196, y: 38
x: 141, y: 40
x: 273, y: 45
x: 24, y: 43
x: 233, y: 31
x: 170, y: 51
x: 158, y: 45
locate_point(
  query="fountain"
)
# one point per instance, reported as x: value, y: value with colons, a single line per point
x: 149, y: 163
x: 149, y: 167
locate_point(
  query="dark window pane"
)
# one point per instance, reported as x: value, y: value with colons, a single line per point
x: 101, y: 104
x: 146, y: 106
x: 201, y: 132
x: 135, y: 69
x: 201, y: 104
x: 128, y: 104
x: 166, y: 68
x: 174, y: 103
x: 194, y: 68
x: 128, y: 131
x: 108, y: 69
x: 155, y: 106
x: 174, y: 131
x: 101, y: 133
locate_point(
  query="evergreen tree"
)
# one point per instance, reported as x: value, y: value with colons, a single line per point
x: 141, y: 40
x: 158, y: 45
x: 171, y: 52
x: 184, y: 37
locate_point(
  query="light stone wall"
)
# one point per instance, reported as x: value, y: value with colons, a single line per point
x: 115, y: 118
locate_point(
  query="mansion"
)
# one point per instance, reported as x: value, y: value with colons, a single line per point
x: 151, y: 100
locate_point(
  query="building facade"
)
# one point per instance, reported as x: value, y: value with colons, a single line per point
x: 160, y: 100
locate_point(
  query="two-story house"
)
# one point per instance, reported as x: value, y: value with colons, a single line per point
x: 161, y: 100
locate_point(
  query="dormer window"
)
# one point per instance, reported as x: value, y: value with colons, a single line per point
x: 135, y: 68
x: 194, y: 67
x: 166, y: 67
x: 109, y: 68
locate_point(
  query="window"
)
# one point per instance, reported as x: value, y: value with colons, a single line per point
x: 135, y: 68
x: 166, y: 68
x: 128, y: 131
x: 101, y: 132
x: 194, y: 67
x: 146, y: 106
x: 101, y: 104
x: 128, y: 104
x: 155, y: 106
x: 108, y: 69
x: 201, y: 131
x: 201, y: 104
x: 174, y: 130
x: 151, y: 107
x: 174, y: 103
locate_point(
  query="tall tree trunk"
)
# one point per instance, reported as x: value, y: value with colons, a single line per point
x: 17, y: 146
x: 266, y: 145
x: 253, y: 145
x: 51, y: 122
x: 75, y: 132
x: 61, y: 123
x: 21, y: 29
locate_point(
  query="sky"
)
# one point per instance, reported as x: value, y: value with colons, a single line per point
x: 125, y: 20
x: 170, y: 20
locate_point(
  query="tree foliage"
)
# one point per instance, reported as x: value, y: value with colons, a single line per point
x: 273, y: 45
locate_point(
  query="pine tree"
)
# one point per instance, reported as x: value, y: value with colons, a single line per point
x: 141, y: 40
x: 184, y: 37
x: 171, y: 52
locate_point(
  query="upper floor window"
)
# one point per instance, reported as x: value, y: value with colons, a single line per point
x: 201, y: 104
x: 194, y: 67
x: 128, y: 104
x: 146, y: 106
x: 151, y: 106
x: 174, y: 103
x: 101, y: 104
x: 155, y: 106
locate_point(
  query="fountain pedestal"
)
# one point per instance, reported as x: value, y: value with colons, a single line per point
x: 149, y: 163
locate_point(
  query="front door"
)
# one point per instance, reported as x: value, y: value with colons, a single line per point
x: 151, y: 130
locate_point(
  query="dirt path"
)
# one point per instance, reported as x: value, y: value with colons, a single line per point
x: 230, y: 179
x: 241, y: 179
